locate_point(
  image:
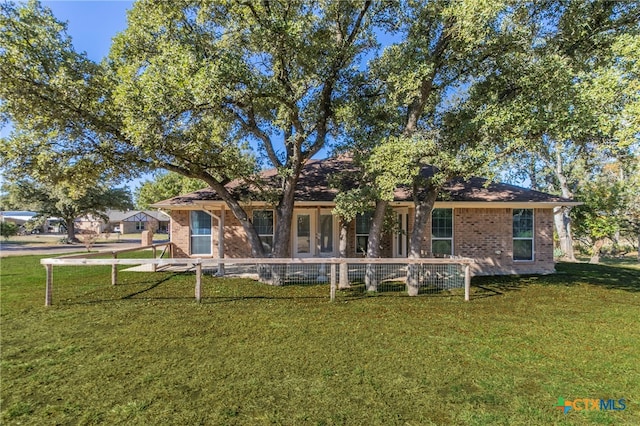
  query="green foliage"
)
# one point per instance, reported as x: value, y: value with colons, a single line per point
x: 196, y: 81
x: 67, y: 202
x: 563, y: 99
x: 8, y: 229
x: 56, y: 99
x: 610, y: 206
x: 164, y: 186
x: 601, y: 214
x: 215, y: 90
x: 190, y: 87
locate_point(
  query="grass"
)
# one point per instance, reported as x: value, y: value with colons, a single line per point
x: 144, y: 353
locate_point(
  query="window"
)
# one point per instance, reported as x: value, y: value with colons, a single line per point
x: 326, y: 233
x: 263, y: 224
x: 363, y: 224
x: 442, y: 232
x: 401, y: 242
x: 139, y: 226
x: 523, y: 234
x: 200, y: 232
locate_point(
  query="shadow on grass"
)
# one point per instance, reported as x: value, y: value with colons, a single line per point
x: 151, y: 287
x: 567, y: 274
x: 179, y: 286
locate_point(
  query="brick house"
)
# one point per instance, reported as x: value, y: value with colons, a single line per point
x: 505, y: 228
x: 126, y: 222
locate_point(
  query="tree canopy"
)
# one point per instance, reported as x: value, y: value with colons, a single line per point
x: 164, y: 186
x: 217, y: 90
x: 65, y: 201
x: 205, y: 89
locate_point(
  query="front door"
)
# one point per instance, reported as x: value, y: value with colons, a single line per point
x: 313, y: 233
x: 303, y: 235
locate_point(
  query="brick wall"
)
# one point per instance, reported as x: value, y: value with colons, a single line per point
x: 481, y: 234
x: 486, y: 235
x: 179, y: 232
x: 235, y: 239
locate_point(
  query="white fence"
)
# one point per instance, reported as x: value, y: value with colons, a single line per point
x: 415, y: 276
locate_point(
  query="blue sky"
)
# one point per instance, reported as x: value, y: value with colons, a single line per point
x: 92, y: 24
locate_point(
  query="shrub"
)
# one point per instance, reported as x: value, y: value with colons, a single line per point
x: 8, y: 229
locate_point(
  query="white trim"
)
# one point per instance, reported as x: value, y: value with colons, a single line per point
x: 334, y: 233
x: 210, y: 235
x: 532, y: 238
x: 404, y: 218
x: 273, y: 223
x: 453, y: 251
x: 355, y: 233
x: 312, y: 232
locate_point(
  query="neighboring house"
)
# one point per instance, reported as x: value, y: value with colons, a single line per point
x: 20, y: 218
x: 17, y: 217
x: 129, y: 222
x: 505, y: 228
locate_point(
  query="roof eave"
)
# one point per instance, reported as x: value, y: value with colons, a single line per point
x: 199, y: 204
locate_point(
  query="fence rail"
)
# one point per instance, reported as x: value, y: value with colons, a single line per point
x: 338, y: 272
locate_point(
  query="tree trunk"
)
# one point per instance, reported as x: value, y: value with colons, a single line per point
x: 595, y: 251
x: 424, y: 201
x: 373, y: 245
x: 562, y: 222
x: 282, y: 232
x: 71, y: 230
x: 257, y: 250
x: 343, y: 281
x: 561, y: 214
x: 638, y: 247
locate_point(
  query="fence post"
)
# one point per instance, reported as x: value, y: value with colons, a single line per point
x: 114, y: 269
x: 49, y: 286
x: 333, y: 281
x: 198, y: 280
x: 154, y: 265
x: 467, y: 281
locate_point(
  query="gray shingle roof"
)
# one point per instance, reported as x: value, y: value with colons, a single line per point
x: 314, y: 185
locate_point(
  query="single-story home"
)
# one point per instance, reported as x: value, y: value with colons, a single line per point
x: 126, y: 222
x: 505, y: 228
x: 22, y: 217
x: 17, y: 217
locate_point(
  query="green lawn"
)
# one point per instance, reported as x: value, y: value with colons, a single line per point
x: 144, y: 352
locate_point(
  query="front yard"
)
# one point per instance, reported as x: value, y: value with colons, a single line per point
x: 144, y: 353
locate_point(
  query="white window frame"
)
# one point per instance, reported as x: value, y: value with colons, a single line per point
x: 400, y: 237
x: 357, y: 235
x: 334, y: 234
x: 531, y: 238
x: 273, y: 227
x: 450, y: 239
x: 191, y: 234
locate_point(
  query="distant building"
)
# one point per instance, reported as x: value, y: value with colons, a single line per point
x: 19, y: 217
x: 126, y: 222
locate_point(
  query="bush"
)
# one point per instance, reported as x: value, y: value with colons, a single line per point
x: 8, y: 229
